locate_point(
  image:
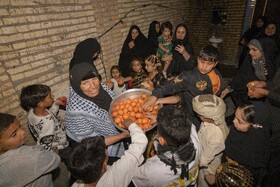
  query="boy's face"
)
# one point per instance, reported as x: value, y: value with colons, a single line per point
x: 48, y: 101
x: 12, y: 137
x: 205, y: 66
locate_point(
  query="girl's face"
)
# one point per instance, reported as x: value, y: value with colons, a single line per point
x: 254, y: 52
x: 181, y: 33
x: 48, y: 101
x: 115, y: 73
x: 136, y: 66
x: 270, y: 30
x: 90, y: 87
x: 134, y: 34
x: 239, y: 123
x: 150, y: 67
x: 259, y: 23
x: 12, y: 137
x: 157, y: 28
x: 166, y: 32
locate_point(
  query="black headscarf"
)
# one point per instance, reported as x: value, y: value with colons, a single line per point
x: 84, y: 71
x: 153, y: 37
x: 84, y: 52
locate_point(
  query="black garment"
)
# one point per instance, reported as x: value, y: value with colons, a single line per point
x: 179, y: 64
x: 153, y: 37
x: 246, y: 73
x: 192, y: 83
x: 251, y: 149
x: 140, y: 50
x: 84, y: 52
x: 158, y: 80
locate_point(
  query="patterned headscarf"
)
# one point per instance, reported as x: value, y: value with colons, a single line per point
x: 259, y: 64
x: 212, y: 107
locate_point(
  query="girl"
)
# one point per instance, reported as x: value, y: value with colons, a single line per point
x: 164, y: 41
x: 248, y: 141
x: 138, y: 73
x: 155, y: 76
x: 117, y: 82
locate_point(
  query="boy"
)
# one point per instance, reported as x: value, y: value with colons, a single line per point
x: 22, y: 165
x: 178, y: 152
x: 88, y: 161
x: 44, y: 124
x: 212, y: 134
x: 204, y: 79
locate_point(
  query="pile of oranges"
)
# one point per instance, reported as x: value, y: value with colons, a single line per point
x: 132, y: 108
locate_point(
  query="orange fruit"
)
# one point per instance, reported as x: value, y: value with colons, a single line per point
x: 125, y: 110
x: 139, y: 115
x: 132, y: 113
x: 125, y: 116
x: 144, y: 96
x: 117, y: 119
x: 115, y: 114
x: 128, y: 101
x: 120, y: 112
x: 130, y: 108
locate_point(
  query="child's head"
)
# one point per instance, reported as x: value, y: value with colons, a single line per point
x: 12, y: 135
x: 166, y: 29
x: 115, y: 72
x: 136, y: 65
x: 34, y: 95
x: 207, y: 59
x: 173, y: 126
x: 153, y: 64
x: 210, y: 108
x: 245, y: 117
x: 88, y: 160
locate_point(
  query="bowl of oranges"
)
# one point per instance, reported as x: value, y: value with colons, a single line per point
x: 129, y: 104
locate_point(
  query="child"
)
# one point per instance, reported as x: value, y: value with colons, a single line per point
x: 178, y: 152
x: 22, y: 165
x: 164, y: 41
x: 117, y: 82
x: 138, y: 73
x: 44, y: 123
x: 204, y: 79
x: 212, y: 134
x: 88, y: 161
x: 155, y: 76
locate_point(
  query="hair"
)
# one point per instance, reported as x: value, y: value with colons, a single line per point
x: 173, y: 125
x: 168, y: 25
x: 115, y: 67
x: 136, y: 59
x: 87, y: 158
x: 155, y: 61
x: 249, y: 114
x: 209, y: 53
x: 5, y: 121
x: 33, y: 94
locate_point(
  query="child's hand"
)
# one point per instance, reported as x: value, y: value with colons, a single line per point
x: 120, y: 82
x: 127, y: 122
x: 149, y: 103
x: 153, y: 117
x: 61, y: 101
x: 110, y: 84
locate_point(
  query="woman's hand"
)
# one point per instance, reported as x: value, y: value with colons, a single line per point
x: 149, y: 103
x: 225, y: 92
x: 131, y: 44
x: 258, y: 93
x: 180, y: 48
x: 256, y: 84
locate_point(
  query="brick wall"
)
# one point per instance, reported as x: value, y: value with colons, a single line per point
x: 37, y: 38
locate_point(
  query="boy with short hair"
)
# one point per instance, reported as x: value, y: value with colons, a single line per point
x: 22, y: 165
x: 43, y: 120
x: 178, y: 152
x: 88, y: 161
x: 203, y: 79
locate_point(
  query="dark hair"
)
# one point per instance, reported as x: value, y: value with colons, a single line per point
x: 33, y: 94
x: 168, y: 25
x: 173, y: 125
x: 115, y: 67
x: 87, y: 158
x: 209, y: 53
x: 5, y: 121
x: 248, y: 112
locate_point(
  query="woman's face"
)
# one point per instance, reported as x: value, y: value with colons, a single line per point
x: 259, y: 23
x: 254, y: 52
x: 90, y: 87
x: 239, y: 123
x: 157, y: 28
x: 134, y: 34
x: 270, y: 30
x: 181, y: 33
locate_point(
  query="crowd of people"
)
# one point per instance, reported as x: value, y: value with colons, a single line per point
x: 193, y: 143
